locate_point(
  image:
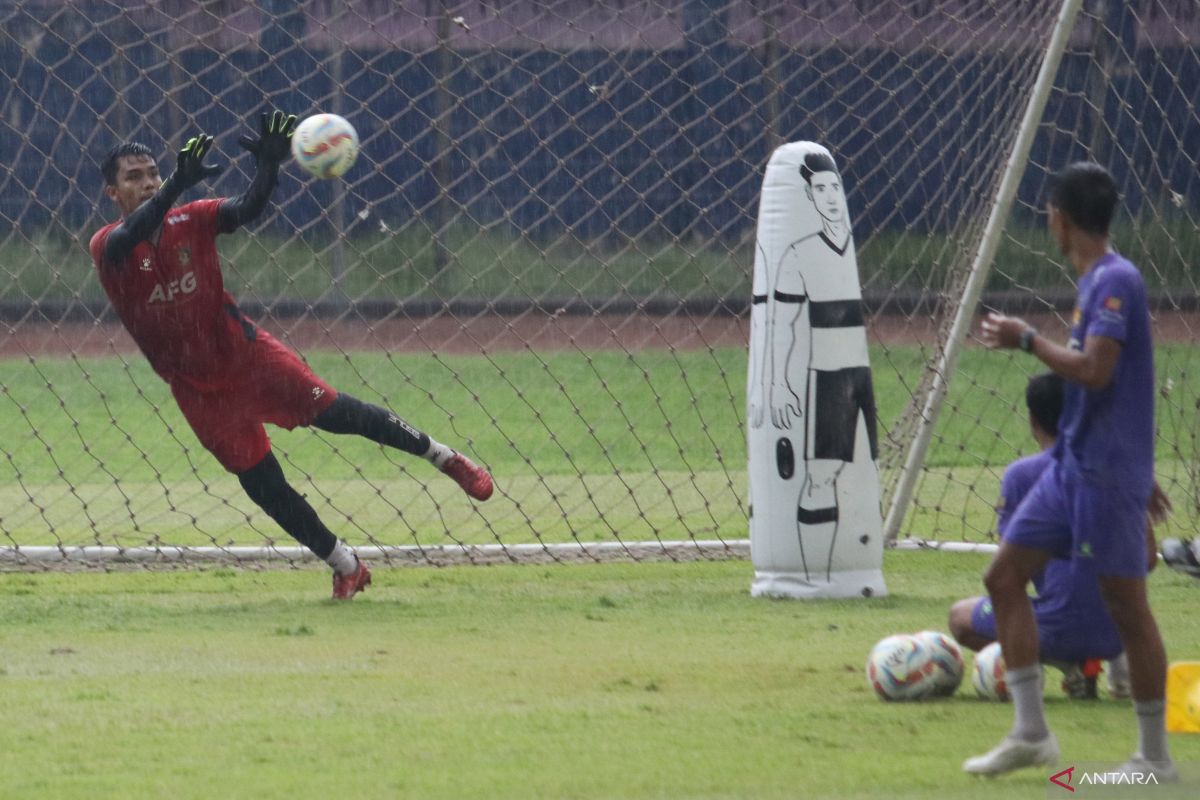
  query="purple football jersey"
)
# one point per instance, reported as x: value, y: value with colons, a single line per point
x: 1113, y: 426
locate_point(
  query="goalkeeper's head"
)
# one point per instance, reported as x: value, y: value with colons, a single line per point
x: 130, y: 175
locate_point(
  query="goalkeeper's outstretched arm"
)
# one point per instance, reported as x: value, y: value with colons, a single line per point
x: 270, y: 148
x: 143, y: 221
x: 235, y: 212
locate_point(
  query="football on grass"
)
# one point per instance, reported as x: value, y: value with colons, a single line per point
x: 900, y: 667
x: 988, y: 675
x: 947, y: 661
x: 325, y: 145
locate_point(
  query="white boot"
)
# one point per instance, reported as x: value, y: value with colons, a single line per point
x: 1013, y: 754
x: 1138, y: 767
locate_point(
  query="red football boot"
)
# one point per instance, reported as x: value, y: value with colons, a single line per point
x: 346, y: 586
x: 473, y: 479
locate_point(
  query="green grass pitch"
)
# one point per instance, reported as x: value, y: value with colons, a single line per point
x: 603, y: 681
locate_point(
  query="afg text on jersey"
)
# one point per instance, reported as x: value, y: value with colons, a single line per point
x: 164, y: 293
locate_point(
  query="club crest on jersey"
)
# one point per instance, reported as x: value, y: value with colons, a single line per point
x: 1112, y: 304
x: 166, y: 292
x: 184, y: 254
x: 145, y: 265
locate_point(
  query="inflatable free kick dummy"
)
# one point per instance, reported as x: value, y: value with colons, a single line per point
x: 815, y: 525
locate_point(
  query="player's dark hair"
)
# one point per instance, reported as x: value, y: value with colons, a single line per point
x: 1044, y: 397
x: 1087, y: 194
x: 814, y: 163
x: 109, y: 165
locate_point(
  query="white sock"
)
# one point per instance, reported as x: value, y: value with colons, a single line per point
x: 342, y: 559
x: 1152, y: 730
x: 438, y: 454
x: 1025, y: 686
x: 1118, y: 670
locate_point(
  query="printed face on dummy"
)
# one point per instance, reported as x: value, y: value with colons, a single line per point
x: 825, y: 190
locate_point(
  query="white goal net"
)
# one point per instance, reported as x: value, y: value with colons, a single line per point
x: 543, y: 254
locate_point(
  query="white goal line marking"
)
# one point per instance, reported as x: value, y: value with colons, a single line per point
x: 693, y: 549
x: 477, y: 553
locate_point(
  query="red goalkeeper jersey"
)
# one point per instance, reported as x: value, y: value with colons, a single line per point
x: 171, y: 298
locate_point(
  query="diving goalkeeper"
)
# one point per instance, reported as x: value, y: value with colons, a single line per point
x: 159, y: 266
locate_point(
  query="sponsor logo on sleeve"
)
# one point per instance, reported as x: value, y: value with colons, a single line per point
x: 1110, y: 311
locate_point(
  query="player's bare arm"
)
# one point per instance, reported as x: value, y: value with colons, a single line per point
x: 1157, y: 512
x: 144, y: 219
x: 1092, y: 367
x: 1160, y: 506
x: 270, y: 148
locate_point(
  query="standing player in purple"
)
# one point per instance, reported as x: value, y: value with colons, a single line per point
x: 1090, y: 504
x: 159, y: 266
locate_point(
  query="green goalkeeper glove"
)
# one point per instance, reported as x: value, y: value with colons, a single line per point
x: 190, y: 168
x: 274, y: 141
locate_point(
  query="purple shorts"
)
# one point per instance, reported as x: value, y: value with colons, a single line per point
x: 1070, y: 637
x: 1065, y: 515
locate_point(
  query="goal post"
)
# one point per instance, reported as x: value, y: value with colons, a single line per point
x: 544, y: 254
x: 1124, y: 94
x: 976, y: 278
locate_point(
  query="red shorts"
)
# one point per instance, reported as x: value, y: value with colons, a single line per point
x: 265, y: 382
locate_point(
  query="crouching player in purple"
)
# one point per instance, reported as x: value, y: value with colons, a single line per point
x: 1090, y: 504
x: 1074, y: 631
